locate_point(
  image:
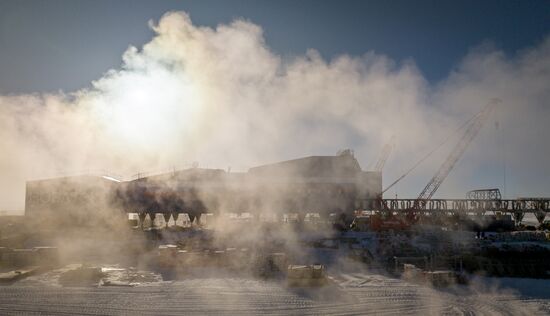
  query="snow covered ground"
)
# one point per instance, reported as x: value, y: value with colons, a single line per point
x: 353, y: 291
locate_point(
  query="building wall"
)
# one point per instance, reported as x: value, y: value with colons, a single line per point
x: 321, y: 184
x: 78, y: 200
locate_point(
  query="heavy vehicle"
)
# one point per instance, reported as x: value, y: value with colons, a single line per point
x: 306, y: 275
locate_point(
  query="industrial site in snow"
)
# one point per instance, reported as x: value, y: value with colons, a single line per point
x: 305, y: 223
x: 308, y: 223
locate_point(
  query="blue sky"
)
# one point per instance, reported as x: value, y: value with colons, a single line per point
x: 211, y: 88
x: 64, y: 45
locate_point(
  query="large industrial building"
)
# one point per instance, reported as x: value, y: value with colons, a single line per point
x: 316, y: 184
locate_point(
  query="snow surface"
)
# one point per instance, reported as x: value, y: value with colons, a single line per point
x: 352, y: 291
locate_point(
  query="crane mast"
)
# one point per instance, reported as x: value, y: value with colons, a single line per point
x: 386, y: 150
x: 470, y: 133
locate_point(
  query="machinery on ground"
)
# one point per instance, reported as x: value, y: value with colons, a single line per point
x: 306, y: 275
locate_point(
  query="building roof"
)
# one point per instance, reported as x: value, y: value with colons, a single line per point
x: 314, y: 166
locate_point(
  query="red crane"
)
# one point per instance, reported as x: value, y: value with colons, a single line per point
x: 471, y: 131
x: 473, y: 125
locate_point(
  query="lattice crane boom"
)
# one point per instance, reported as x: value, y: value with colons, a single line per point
x: 386, y: 150
x: 470, y: 133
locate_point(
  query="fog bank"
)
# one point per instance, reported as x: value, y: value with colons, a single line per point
x: 220, y: 97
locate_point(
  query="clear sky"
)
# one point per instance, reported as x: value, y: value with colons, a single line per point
x: 63, y: 45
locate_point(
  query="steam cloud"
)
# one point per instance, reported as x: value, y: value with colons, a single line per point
x: 220, y: 96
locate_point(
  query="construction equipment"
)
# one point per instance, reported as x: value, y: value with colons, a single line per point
x: 386, y: 150
x: 473, y: 125
x: 306, y: 275
x: 470, y: 133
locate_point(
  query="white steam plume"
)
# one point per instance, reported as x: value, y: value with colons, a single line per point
x: 222, y: 97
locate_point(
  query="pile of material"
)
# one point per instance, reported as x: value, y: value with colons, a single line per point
x: 83, y: 276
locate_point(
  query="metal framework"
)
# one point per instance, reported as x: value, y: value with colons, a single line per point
x: 484, y: 194
x: 386, y: 150
x: 538, y: 206
x: 470, y: 133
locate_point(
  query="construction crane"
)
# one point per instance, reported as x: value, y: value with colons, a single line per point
x: 471, y: 131
x: 473, y: 125
x: 386, y: 150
